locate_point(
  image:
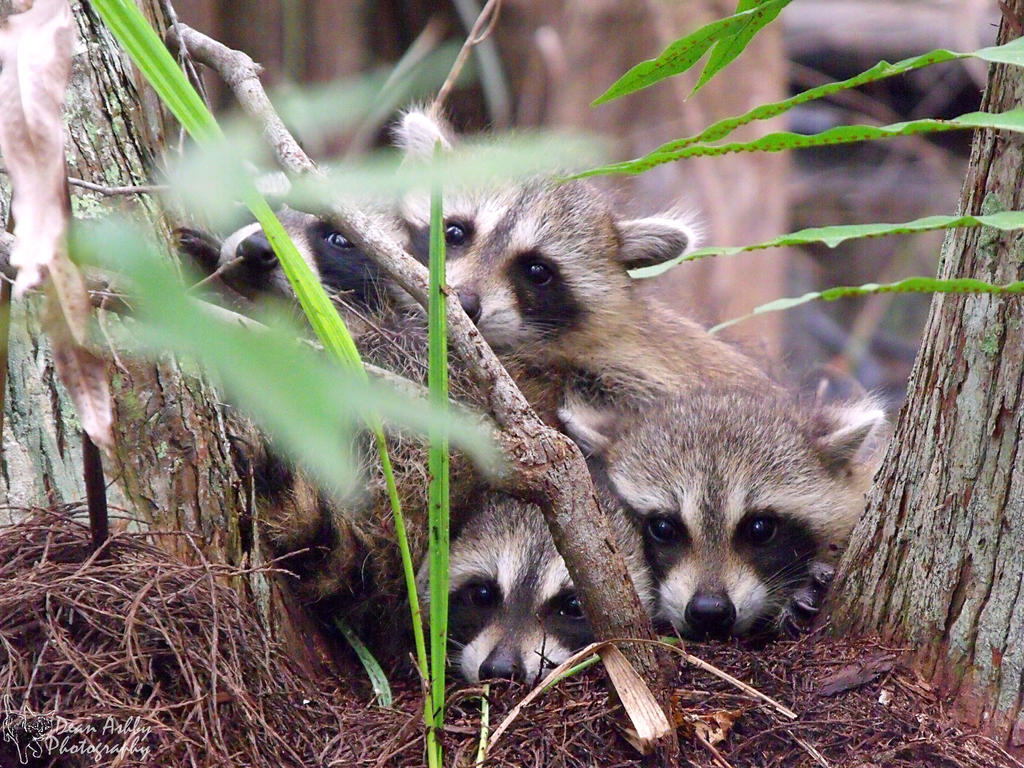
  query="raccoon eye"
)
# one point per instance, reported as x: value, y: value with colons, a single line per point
x: 664, y: 530
x: 481, y: 594
x: 455, y: 234
x: 539, y: 273
x: 338, y: 240
x: 760, y: 529
x: 570, y: 607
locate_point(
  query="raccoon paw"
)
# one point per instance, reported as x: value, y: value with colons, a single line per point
x: 806, y: 602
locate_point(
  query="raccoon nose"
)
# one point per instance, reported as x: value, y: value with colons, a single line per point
x: 470, y: 302
x: 710, y: 613
x: 255, y: 251
x: 502, y: 664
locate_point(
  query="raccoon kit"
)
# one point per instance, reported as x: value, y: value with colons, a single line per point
x: 250, y: 268
x: 513, y: 611
x: 744, y: 498
x: 542, y: 269
x: 349, y: 562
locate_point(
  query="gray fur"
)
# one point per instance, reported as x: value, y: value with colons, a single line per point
x: 507, y: 543
x: 713, y: 461
x: 590, y: 325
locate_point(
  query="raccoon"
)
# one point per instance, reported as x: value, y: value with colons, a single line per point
x: 513, y: 611
x: 542, y: 269
x: 251, y: 268
x: 343, y: 552
x: 745, y: 498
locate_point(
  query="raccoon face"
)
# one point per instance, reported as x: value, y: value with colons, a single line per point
x: 513, y: 610
x: 340, y: 267
x: 533, y: 261
x: 740, y: 497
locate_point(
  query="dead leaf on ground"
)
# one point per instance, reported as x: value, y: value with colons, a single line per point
x: 855, y: 675
x: 712, y: 727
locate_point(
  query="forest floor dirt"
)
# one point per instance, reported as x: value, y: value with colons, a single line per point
x: 857, y: 707
x: 168, y: 666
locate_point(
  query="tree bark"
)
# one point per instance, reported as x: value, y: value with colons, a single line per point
x: 938, y: 560
x: 172, y: 467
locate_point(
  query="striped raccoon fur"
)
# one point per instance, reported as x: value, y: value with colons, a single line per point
x: 349, y: 563
x: 542, y: 269
x: 745, y: 498
x: 250, y: 266
x: 513, y: 611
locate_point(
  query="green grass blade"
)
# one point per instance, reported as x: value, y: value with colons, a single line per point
x: 687, y: 51
x: 835, y: 235
x: 907, y: 285
x: 149, y: 54
x: 379, y: 681
x: 574, y: 670
x: 438, y: 463
x: 1011, y: 120
x: 730, y: 47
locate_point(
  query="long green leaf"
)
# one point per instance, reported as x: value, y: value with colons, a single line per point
x: 834, y: 235
x: 167, y: 79
x: 437, y: 379
x: 379, y: 681
x: 731, y: 34
x: 1011, y: 120
x: 306, y: 402
x: 907, y: 285
x: 151, y: 56
x: 730, y: 47
x: 684, y: 53
x: 1010, y: 53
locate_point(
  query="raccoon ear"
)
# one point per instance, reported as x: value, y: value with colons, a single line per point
x: 650, y: 241
x: 418, y: 132
x: 590, y: 428
x: 828, y: 384
x: 852, y: 432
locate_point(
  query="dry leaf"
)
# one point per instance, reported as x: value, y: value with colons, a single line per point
x: 650, y: 725
x: 714, y: 728
x: 855, y: 675
x: 35, y: 49
x: 84, y: 375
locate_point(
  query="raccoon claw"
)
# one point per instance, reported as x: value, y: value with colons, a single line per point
x: 806, y: 603
x: 805, y: 606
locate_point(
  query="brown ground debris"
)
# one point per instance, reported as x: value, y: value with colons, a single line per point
x: 142, y: 635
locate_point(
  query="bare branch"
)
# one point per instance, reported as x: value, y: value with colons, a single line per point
x: 481, y: 29
x: 131, y: 189
x: 241, y: 74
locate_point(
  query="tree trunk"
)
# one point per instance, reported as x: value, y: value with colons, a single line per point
x: 938, y: 560
x: 172, y: 468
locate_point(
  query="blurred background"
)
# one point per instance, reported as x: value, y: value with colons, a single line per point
x: 548, y: 59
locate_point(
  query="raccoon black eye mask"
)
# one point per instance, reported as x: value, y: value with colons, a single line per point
x: 744, y: 500
x: 513, y: 611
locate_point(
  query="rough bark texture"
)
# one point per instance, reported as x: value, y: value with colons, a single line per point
x: 172, y: 467
x: 938, y: 560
